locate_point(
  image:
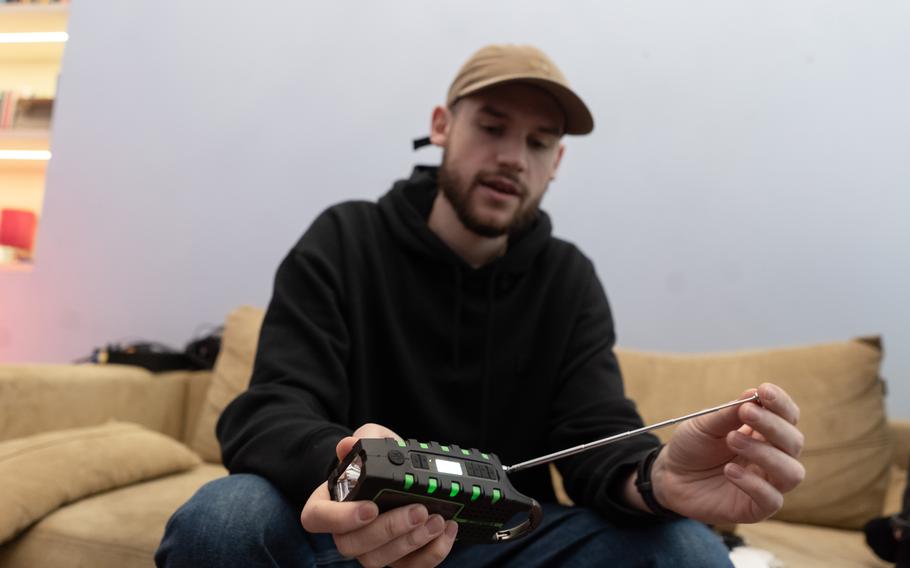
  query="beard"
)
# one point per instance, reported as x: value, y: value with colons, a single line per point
x: 460, y: 196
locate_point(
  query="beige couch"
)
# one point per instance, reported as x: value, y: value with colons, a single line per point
x: 79, y: 490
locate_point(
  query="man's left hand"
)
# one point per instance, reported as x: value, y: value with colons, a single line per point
x: 733, y: 466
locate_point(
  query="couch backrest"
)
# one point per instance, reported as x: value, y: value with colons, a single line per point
x: 194, y: 401
x: 39, y: 398
x: 230, y: 377
x: 848, y: 446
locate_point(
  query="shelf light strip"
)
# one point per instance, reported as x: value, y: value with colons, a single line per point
x: 34, y: 37
x: 35, y: 155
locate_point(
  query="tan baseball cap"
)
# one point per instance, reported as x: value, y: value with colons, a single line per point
x: 498, y: 64
x: 507, y: 63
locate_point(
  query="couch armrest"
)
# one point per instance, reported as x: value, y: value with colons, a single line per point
x: 900, y: 432
x: 39, y: 398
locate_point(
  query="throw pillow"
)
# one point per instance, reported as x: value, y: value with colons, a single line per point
x: 42, y: 472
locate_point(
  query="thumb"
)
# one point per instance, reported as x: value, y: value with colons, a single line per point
x: 368, y: 430
x: 718, y: 424
x: 344, y: 447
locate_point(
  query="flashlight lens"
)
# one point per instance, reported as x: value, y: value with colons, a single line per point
x: 347, y: 481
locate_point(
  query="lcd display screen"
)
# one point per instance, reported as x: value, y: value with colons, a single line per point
x: 450, y: 467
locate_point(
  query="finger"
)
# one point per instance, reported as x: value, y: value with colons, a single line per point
x: 773, y: 428
x: 758, y: 436
x: 783, y: 470
x: 384, y: 529
x: 373, y: 430
x: 748, y: 431
x: 404, y: 545
x: 323, y: 515
x: 779, y: 402
x: 766, y: 499
x: 434, y: 553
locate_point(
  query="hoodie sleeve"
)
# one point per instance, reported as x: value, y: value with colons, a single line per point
x: 286, y: 425
x: 591, y: 404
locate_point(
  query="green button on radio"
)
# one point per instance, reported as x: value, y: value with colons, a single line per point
x: 475, y: 493
x: 456, y: 487
x: 408, y: 481
x: 497, y: 495
x: 431, y: 487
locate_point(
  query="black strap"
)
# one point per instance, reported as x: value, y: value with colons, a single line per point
x: 646, y: 488
x: 421, y: 142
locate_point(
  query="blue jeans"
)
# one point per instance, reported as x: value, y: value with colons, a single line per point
x: 242, y: 520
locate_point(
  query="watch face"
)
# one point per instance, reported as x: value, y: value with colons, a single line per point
x: 901, y: 527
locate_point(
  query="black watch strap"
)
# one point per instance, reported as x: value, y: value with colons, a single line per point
x: 646, y: 488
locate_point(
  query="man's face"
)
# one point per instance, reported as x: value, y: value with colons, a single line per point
x: 501, y: 149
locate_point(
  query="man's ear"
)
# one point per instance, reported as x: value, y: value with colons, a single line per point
x: 440, y: 126
x: 559, y: 153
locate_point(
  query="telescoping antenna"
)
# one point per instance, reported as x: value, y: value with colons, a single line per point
x: 624, y: 435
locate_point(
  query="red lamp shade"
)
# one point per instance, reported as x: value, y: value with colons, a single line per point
x: 17, y: 228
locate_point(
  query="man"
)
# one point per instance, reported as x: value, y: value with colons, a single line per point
x: 448, y: 312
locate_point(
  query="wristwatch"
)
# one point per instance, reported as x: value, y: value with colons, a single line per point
x: 646, y: 488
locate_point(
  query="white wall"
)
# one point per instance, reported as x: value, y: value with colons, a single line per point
x: 747, y: 183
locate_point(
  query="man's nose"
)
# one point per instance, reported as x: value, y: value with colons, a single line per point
x: 512, y: 155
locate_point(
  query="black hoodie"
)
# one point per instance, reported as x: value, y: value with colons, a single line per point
x: 374, y: 319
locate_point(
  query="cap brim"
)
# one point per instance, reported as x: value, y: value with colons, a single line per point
x: 578, y: 117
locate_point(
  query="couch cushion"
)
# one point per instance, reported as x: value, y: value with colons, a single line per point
x: 42, y: 472
x: 231, y: 376
x: 116, y: 529
x: 848, y: 446
x: 806, y: 546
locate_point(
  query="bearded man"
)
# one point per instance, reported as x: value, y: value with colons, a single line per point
x: 447, y: 311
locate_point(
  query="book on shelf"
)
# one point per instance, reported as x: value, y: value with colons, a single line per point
x: 33, y: 113
x: 8, y: 100
x: 17, y: 111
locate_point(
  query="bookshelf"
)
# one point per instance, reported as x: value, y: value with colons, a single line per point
x: 29, y: 71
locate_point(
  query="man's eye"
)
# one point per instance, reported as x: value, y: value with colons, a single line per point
x: 495, y: 130
x: 538, y: 144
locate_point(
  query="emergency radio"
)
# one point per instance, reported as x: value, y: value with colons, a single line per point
x: 465, y: 485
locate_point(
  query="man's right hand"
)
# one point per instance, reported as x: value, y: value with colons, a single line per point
x: 405, y: 537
